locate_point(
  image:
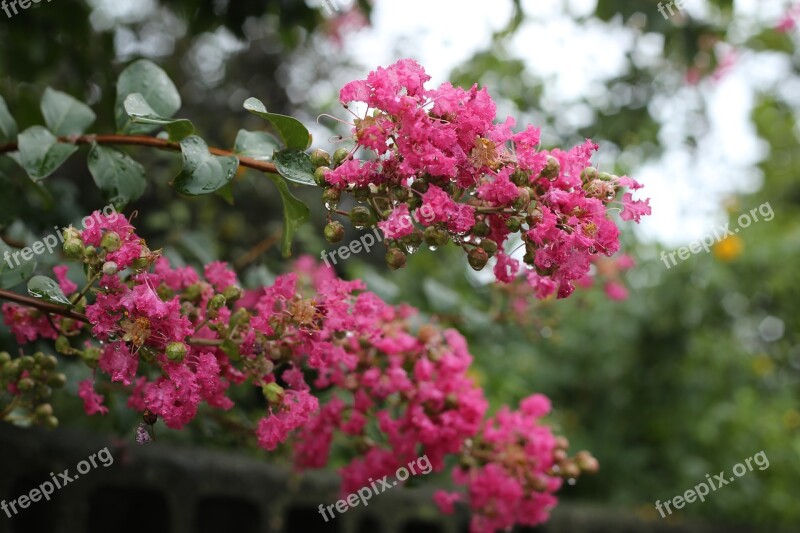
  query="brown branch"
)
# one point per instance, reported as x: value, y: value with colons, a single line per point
x: 152, y: 142
x: 46, y: 307
x: 256, y: 251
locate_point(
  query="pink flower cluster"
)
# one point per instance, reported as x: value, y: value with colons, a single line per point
x: 338, y: 367
x: 440, y: 149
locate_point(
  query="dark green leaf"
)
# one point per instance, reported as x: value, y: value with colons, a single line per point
x: 231, y: 349
x: 48, y: 290
x: 40, y: 153
x: 8, y: 126
x: 13, y: 270
x: 291, y: 130
x: 121, y: 179
x: 202, y: 172
x: 149, y: 80
x: 64, y: 115
x: 295, y: 213
x: 295, y: 166
x: 256, y: 145
x: 140, y: 112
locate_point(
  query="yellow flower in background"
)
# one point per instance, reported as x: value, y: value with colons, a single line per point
x: 729, y: 248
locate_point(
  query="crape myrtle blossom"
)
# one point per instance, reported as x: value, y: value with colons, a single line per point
x: 175, y: 338
x: 442, y: 149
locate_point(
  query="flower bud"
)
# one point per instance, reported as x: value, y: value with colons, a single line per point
x: 176, y: 351
x: 489, y: 246
x: 90, y: 252
x: 73, y: 249
x: 43, y: 411
x: 57, y: 380
x: 435, y: 237
x: 551, y: 169
x: 319, y: 176
x: 570, y: 470
x: 587, y: 462
x: 63, y: 346
x: 193, y: 292
x: 71, y: 234
x: 520, y: 177
x: 588, y: 174
x: 331, y: 196
x: 111, y: 241
x: 334, y: 232
x: 320, y: 158
x: 514, y: 224
x: 360, y: 216
x: 216, y: 303
x: 605, y: 176
x: 110, y: 268
x: 273, y: 393
x: 477, y: 258
x: 395, y: 258
x: 523, y: 200
x: 480, y: 229
x: 26, y: 362
x: 50, y: 422
x: 5, y: 358
x: 49, y: 362
x: 232, y: 293
x: 25, y: 384
x: 339, y: 156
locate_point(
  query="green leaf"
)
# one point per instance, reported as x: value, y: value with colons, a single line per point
x: 257, y: 145
x: 149, y: 80
x: 12, y: 273
x: 40, y: 153
x: 140, y: 112
x: 202, y: 172
x: 295, y: 166
x: 121, y: 179
x: 64, y: 115
x: 48, y: 290
x: 231, y: 349
x: 295, y: 213
x: 8, y: 126
x: 291, y: 130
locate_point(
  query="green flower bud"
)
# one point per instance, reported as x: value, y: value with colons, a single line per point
x: 477, y: 258
x: 216, y: 303
x: 50, y: 422
x: 50, y: 363
x: 43, y: 411
x: 110, y: 268
x: 520, y: 177
x: 90, y: 252
x: 176, y: 351
x: 523, y: 200
x: 395, y: 258
x: 91, y: 356
x: 334, y: 232
x: 339, y: 156
x: 5, y: 358
x: 320, y: 158
x: 26, y: 362
x: 71, y: 234
x: 63, y: 346
x: 605, y: 176
x: 514, y: 224
x: 57, y: 380
x: 193, y: 292
x: 489, y: 246
x: 435, y: 237
x: 360, y: 216
x: 111, y: 241
x: 588, y: 174
x: 273, y: 393
x: 480, y: 229
x: 412, y: 240
x: 319, y: 176
x: 232, y: 293
x: 25, y: 384
x: 73, y: 250
x: 551, y: 169
x: 331, y: 195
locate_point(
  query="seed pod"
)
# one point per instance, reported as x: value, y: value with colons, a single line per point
x: 395, y: 258
x: 477, y: 258
x: 320, y: 158
x: 334, y: 232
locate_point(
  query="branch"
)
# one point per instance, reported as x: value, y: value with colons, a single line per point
x: 153, y: 142
x: 42, y: 306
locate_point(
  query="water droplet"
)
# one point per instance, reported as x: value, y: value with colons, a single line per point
x: 610, y: 195
x: 432, y: 248
x: 411, y: 249
x: 359, y: 226
x: 330, y: 206
x: 571, y: 481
